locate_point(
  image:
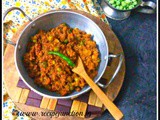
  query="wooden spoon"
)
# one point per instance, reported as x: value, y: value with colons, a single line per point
x: 112, y: 108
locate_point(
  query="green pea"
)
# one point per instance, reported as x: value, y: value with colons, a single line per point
x: 111, y: 1
x: 76, y: 79
x: 123, y: 4
x: 44, y: 64
x: 135, y: 3
x: 99, y: 60
x: 65, y: 41
x: 130, y: 7
x: 53, y: 62
x: 127, y: 7
x: 50, y: 38
x: 77, y: 38
x: 117, y: 7
x: 114, y: 5
x: 120, y: 7
x: 70, y: 30
x: 34, y: 41
x: 118, y: 3
x: 56, y: 49
x: 65, y: 24
x: 127, y: 1
x: 124, y: 8
x: 82, y: 42
x: 59, y: 69
x: 70, y: 87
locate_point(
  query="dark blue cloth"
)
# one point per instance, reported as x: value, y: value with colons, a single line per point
x: 137, y: 98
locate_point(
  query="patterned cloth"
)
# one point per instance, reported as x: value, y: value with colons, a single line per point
x: 33, y: 8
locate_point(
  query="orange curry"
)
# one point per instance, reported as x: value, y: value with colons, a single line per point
x: 51, y: 71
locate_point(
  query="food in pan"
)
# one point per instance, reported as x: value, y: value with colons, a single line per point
x: 51, y: 55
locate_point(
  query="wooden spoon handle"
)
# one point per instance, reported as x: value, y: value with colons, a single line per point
x: 112, y: 108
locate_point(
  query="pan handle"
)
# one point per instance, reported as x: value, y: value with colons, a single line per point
x: 151, y: 7
x: 121, y: 57
x: 5, y: 14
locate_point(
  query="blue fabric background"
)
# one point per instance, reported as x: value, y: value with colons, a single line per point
x: 137, y: 98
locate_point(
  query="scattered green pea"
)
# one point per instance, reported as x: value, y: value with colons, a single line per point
x: 70, y: 30
x: 76, y: 79
x: 71, y: 87
x: 50, y: 38
x: 59, y: 69
x: 82, y: 42
x: 44, y: 64
x: 34, y: 41
x: 98, y: 60
x: 65, y: 24
x: 65, y: 41
x: 56, y: 49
